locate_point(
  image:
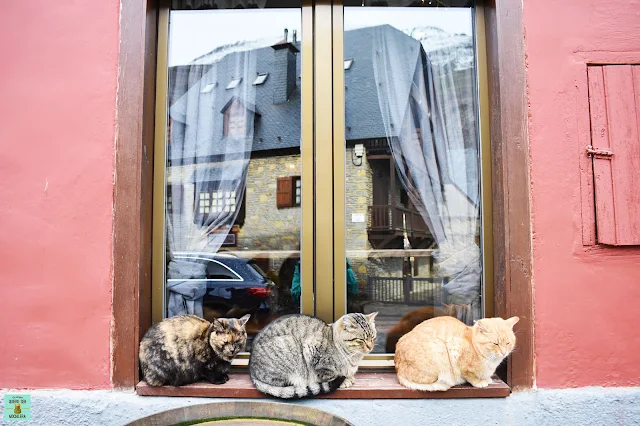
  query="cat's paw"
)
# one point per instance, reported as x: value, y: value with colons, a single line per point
x: 220, y: 380
x: 348, y: 382
x: 481, y: 383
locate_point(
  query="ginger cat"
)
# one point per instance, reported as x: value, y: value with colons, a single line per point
x: 443, y: 352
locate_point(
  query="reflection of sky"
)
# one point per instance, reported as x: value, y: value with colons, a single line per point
x: 194, y: 33
x: 452, y: 20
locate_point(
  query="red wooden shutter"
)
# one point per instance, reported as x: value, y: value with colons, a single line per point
x: 284, y: 192
x: 614, y: 101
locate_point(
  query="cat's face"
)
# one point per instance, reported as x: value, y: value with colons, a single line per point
x: 494, y: 337
x: 358, y: 331
x: 228, y: 336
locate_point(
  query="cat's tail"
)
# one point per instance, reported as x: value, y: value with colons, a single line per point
x: 297, y: 392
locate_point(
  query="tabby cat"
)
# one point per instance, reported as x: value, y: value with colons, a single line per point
x: 298, y: 356
x: 185, y: 349
x: 444, y: 352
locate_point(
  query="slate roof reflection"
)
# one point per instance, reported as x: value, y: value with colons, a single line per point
x: 198, y: 95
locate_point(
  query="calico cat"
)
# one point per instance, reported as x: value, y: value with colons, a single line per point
x: 411, y: 319
x: 444, y: 352
x: 186, y: 348
x: 298, y: 356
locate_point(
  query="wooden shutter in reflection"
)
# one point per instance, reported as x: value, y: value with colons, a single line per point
x: 614, y: 102
x: 285, y: 192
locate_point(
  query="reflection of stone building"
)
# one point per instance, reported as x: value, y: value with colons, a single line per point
x: 247, y: 104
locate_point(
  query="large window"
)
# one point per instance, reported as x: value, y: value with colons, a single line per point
x: 366, y: 140
x: 413, y: 202
x: 505, y: 172
x: 233, y: 107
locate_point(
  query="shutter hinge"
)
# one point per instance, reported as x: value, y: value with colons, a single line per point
x: 598, y: 153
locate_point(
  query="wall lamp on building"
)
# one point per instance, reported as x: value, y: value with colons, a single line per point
x: 358, y: 152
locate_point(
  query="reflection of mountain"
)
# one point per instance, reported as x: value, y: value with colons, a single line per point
x: 239, y: 46
x: 441, y: 47
x: 444, y: 47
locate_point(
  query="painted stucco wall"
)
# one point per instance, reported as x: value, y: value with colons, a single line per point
x: 57, y: 126
x: 585, y: 298
x: 57, y: 122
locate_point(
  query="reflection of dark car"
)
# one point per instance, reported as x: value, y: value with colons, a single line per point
x: 235, y: 286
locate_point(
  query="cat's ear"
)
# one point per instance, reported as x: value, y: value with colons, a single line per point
x: 213, y: 327
x: 482, y: 327
x: 346, y: 323
x: 512, y: 321
x: 371, y: 316
x: 243, y: 320
x: 219, y: 325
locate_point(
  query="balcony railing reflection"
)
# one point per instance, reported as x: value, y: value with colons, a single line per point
x: 407, y: 290
x: 388, y: 218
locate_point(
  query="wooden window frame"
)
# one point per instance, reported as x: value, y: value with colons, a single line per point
x: 210, y: 188
x: 284, y: 199
x: 230, y: 112
x: 506, y: 122
x: 586, y: 60
x: 294, y: 188
x: 613, y: 112
x: 290, y: 200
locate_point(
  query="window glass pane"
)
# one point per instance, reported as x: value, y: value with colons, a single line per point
x: 234, y: 83
x: 260, y: 79
x: 412, y: 167
x: 231, y: 136
x: 208, y: 88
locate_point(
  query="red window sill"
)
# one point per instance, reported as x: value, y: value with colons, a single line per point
x: 368, y: 385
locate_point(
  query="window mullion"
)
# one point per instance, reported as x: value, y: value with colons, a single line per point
x: 323, y: 144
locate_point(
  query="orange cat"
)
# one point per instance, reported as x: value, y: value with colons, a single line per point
x: 413, y: 318
x: 444, y: 352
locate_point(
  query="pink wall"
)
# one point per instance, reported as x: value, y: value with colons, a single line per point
x: 57, y: 122
x: 586, y: 300
x: 56, y: 157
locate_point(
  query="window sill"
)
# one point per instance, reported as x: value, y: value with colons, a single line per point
x: 368, y: 385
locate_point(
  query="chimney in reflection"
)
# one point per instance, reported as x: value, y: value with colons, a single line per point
x: 284, y: 69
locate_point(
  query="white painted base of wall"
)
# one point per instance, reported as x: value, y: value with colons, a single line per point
x: 584, y: 406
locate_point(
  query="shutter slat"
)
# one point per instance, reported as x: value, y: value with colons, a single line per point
x: 605, y: 217
x: 614, y: 100
x: 284, y: 195
x: 626, y: 167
